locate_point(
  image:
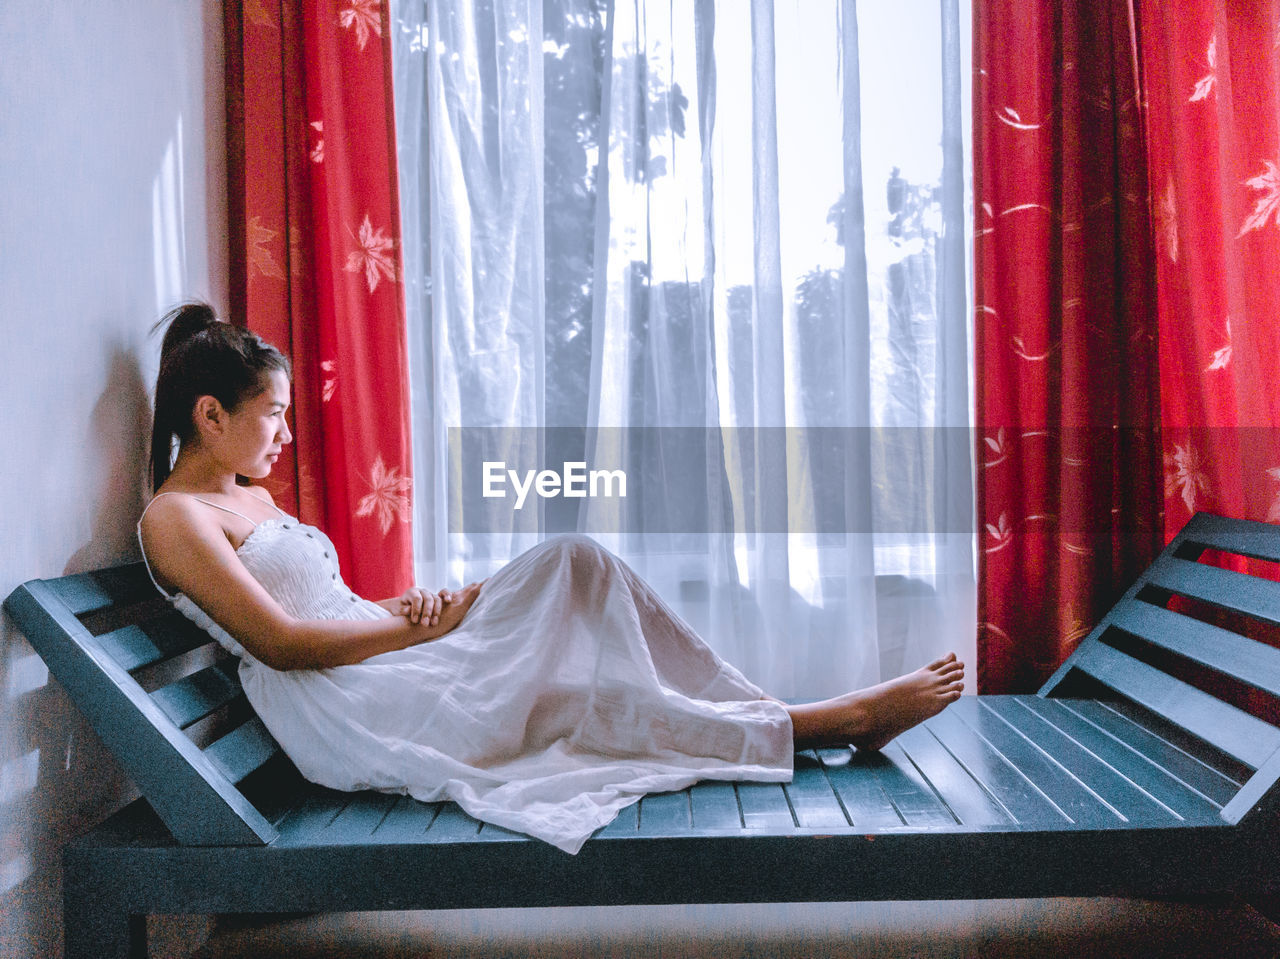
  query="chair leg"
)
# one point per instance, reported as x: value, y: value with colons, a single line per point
x: 96, y: 928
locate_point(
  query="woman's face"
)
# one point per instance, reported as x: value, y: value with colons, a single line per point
x: 256, y: 431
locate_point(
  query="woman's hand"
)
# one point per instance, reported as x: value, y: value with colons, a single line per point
x: 456, y: 604
x: 437, y: 613
x: 419, y: 606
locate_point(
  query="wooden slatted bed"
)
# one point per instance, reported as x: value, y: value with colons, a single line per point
x: 1146, y: 766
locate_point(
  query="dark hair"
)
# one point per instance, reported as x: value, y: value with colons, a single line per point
x: 203, y: 356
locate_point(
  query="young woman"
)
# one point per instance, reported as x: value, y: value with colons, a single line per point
x: 544, y: 699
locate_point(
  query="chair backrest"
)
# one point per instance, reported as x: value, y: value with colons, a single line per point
x: 1192, y: 643
x: 164, y: 698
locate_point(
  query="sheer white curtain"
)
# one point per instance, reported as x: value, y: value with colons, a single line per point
x: 721, y: 247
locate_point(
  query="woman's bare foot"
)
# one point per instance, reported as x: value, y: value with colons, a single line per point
x: 870, y: 718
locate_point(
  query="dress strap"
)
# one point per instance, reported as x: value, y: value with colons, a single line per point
x: 146, y: 562
x: 282, y: 513
x: 225, y: 509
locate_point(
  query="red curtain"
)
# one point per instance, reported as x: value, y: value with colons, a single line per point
x: 1068, y: 439
x: 315, y: 264
x: 1213, y: 128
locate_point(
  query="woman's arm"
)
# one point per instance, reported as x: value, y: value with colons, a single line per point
x: 187, y: 547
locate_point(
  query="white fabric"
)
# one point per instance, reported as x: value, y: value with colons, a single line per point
x: 737, y: 217
x: 568, y: 691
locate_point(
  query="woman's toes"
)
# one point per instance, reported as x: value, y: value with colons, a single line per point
x: 948, y: 675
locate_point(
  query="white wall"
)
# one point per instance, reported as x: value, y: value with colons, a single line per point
x: 112, y: 208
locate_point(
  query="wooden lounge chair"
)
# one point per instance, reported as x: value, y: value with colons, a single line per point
x: 1146, y: 766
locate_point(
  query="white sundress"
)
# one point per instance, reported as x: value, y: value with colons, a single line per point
x: 568, y: 691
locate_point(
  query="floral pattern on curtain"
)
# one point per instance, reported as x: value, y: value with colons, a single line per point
x: 1068, y: 400
x: 1213, y: 129
x: 314, y: 224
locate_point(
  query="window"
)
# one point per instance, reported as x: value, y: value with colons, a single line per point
x: 720, y: 246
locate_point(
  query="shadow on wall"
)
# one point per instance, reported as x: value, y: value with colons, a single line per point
x: 120, y: 439
x: 59, y: 780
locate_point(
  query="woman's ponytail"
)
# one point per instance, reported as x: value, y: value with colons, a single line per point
x: 182, y: 323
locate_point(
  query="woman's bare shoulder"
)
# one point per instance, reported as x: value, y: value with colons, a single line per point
x: 169, y: 506
x: 175, y: 519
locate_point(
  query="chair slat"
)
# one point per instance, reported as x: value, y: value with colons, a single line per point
x: 998, y: 777
x: 358, y: 820
x: 904, y: 785
x: 1110, y: 784
x: 244, y: 749
x: 86, y: 593
x: 1238, y: 656
x: 492, y: 833
x: 1242, y: 537
x: 1214, y: 784
x: 453, y: 825
x: 715, y: 806
x: 764, y: 806
x: 131, y: 647
x: 1220, y: 724
x: 969, y: 801
x: 1140, y: 768
x: 1218, y: 587
x: 627, y: 822
x: 190, y: 700
x: 1065, y: 790
x: 662, y: 813
x: 80, y: 594
x: 407, y: 822
x: 313, y: 815
x: 862, y: 796
x: 812, y: 800
x: 137, y: 646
